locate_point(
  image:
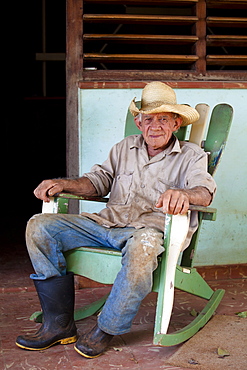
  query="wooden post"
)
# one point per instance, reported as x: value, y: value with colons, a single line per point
x: 200, y: 31
x: 73, y: 72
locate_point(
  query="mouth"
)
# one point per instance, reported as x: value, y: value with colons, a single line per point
x: 155, y: 136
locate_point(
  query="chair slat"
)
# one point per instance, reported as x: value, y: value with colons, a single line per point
x: 217, y: 135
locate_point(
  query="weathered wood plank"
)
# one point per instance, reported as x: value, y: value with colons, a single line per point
x: 74, y: 65
x: 223, y: 79
x: 200, y: 31
x: 136, y: 18
x: 227, y: 60
x: 226, y: 40
x: 138, y: 38
x: 145, y: 58
x: 141, y: 2
x: 226, y: 22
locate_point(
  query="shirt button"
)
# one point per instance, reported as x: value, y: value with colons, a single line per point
x: 126, y: 216
x: 142, y: 186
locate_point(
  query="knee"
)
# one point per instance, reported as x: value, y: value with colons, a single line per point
x: 148, y: 242
x: 145, y: 245
x: 38, y: 226
x: 140, y: 256
x: 35, y: 223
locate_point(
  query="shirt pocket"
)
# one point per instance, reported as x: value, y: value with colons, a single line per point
x: 120, y: 191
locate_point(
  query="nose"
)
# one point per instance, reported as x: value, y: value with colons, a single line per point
x: 156, y: 124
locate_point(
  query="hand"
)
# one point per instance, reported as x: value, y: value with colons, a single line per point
x: 174, y: 201
x: 48, y: 188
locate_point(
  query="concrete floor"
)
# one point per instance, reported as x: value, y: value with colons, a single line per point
x: 134, y: 350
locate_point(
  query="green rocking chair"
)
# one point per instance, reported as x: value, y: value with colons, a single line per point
x: 102, y: 265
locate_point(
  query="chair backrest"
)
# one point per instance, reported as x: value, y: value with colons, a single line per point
x: 218, y: 130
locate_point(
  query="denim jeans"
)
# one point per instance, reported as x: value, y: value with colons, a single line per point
x: 49, y: 235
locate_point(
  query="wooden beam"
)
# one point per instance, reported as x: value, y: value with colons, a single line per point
x: 46, y: 57
x: 224, y: 78
x: 200, y: 31
x: 142, y: 2
x: 140, y: 58
x: 227, y: 4
x: 153, y: 39
x: 227, y: 60
x: 226, y: 22
x: 226, y: 40
x: 136, y: 18
x: 73, y: 73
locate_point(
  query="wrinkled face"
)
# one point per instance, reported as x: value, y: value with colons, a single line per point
x: 157, y: 129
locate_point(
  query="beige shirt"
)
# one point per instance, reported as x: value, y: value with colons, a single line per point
x: 135, y: 182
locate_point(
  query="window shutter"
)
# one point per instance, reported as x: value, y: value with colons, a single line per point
x: 199, y: 37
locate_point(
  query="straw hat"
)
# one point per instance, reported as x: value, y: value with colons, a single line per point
x: 158, y: 97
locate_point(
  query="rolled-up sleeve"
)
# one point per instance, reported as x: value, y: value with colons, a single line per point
x: 197, y: 174
x: 102, y: 176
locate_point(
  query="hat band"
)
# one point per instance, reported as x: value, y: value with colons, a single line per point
x: 155, y: 104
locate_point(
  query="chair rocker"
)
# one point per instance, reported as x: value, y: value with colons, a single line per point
x: 102, y: 265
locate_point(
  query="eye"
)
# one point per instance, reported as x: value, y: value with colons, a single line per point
x: 163, y: 119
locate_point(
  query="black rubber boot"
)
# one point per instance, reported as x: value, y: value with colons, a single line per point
x: 94, y: 343
x: 56, y: 297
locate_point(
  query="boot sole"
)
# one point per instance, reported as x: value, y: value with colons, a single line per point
x: 84, y: 355
x: 61, y: 341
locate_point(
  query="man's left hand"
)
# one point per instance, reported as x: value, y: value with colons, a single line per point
x: 174, y: 202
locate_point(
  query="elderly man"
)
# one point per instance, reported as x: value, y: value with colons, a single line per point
x: 147, y: 175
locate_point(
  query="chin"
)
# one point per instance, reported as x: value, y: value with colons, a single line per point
x: 157, y: 145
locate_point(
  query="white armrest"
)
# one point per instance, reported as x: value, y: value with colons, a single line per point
x: 179, y: 231
x: 50, y: 207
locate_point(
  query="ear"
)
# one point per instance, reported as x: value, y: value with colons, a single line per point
x: 177, y: 123
x: 138, y: 122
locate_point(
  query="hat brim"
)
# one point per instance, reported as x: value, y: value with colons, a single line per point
x: 188, y: 114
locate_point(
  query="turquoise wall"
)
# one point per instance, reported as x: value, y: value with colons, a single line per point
x: 101, y: 124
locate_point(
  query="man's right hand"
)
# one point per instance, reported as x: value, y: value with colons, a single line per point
x: 48, y: 188
x: 81, y: 186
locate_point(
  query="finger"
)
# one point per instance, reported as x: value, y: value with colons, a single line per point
x: 159, y: 204
x: 174, y: 204
x: 181, y: 206
x: 41, y: 192
x: 56, y: 188
x: 164, y: 202
x: 185, y: 207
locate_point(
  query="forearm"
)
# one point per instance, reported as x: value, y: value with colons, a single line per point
x: 199, y: 196
x: 81, y: 186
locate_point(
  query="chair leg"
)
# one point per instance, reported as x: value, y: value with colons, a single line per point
x: 192, y: 328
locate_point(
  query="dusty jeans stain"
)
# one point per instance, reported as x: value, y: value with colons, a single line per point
x: 48, y: 236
